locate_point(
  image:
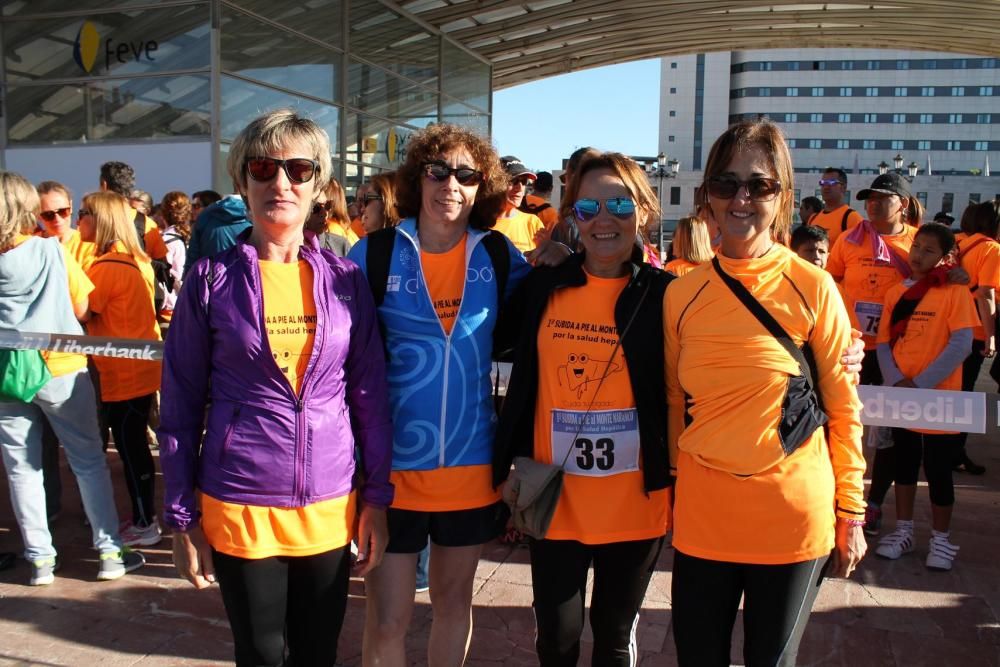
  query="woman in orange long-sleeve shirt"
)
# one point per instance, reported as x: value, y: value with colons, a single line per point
x: 764, y: 505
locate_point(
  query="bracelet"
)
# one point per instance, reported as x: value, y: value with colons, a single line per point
x: 854, y: 522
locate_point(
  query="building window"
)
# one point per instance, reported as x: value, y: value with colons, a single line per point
x: 984, y: 118
x: 927, y: 91
x: 793, y: 143
x: 673, y: 65
x: 924, y: 145
x: 846, y: 91
x: 815, y: 118
x: 670, y: 138
x: 815, y: 143
x: 899, y: 91
x: 922, y: 196
x: 871, y: 117
x: 926, y: 118
x: 843, y: 143
x: 948, y: 202
x: 673, y: 90
x: 871, y: 91
x: 896, y: 145
x: 791, y: 118
x: 791, y: 92
x: 954, y: 118
x: 958, y: 91
x: 793, y: 66
x: 902, y: 64
x: 974, y: 197
x: 817, y: 92
x: 899, y: 118
x: 675, y: 196
x: 846, y: 64
x: 764, y: 92
x: 982, y: 145
x: 844, y: 118
x: 672, y: 113
x: 873, y: 64
x: 953, y: 145
x: 986, y: 91
x: 868, y: 144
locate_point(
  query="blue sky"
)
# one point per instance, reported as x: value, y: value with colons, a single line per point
x: 611, y: 108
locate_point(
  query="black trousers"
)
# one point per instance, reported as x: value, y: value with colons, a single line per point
x: 128, y: 420
x: 937, y: 451
x: 559, y: 582
x: 970, y: 373
x: 279, y: 603
x: 777, y: 602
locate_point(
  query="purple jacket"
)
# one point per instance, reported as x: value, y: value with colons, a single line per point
x: 263, y: 445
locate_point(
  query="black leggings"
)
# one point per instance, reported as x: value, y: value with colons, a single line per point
x: 283, y: 602
x: 938, y: 453
x: 559, y: 582
x: 706, y: 596
x: 970, y: 373
x: 883, y: 465
x: 128, y: 420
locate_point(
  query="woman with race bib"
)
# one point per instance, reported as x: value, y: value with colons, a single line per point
x: 587, y: 392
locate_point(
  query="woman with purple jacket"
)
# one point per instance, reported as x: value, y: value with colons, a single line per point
x: 279, y: 340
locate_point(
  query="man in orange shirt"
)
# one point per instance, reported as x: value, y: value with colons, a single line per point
x: 521, y: 228
x: 120, y: 177
x: 836, y: 216
x: 537, y: 201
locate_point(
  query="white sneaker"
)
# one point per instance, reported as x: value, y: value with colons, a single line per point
x: 895, y: 544
x: 135, y: 536
x: 942, y: 554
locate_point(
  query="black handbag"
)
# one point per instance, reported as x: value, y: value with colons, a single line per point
x: 802, y: 408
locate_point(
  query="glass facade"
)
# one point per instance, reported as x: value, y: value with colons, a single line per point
x: 129, y: 71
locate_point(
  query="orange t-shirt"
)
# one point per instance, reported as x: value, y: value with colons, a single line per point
x: 358, y: 228
x: 521, y: 228
x: 738, y: 498
x: 334, y: 227
x: 982, y: 263
x: 603, y: 498
x: 548, y: 215
x: 833, y: 221
x: 153, y: 240
x: 679, y: 266
x: 289, y: 315
x: 865, y: 281
x: 942, y: 311
x: 122, y: 307
x: 458, y: 487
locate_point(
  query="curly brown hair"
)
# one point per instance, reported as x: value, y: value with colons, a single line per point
x: 431, y: 144
x: 176, y: 211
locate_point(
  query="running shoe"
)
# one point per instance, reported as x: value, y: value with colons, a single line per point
x: 895, y: 544
x: 43, y: 571
x: 137, y: 536
x: 115, y: 564
x: 873, y: 520
x: 941, y: 555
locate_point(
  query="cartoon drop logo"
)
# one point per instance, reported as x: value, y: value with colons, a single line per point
x: 86, y: 45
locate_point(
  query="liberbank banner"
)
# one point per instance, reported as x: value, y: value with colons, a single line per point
x: 929, y: 409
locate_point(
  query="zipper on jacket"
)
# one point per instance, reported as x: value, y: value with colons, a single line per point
x: 228, y: 435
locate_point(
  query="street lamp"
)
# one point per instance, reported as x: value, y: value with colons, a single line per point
x: 664, y: 168
x: 911, y: 169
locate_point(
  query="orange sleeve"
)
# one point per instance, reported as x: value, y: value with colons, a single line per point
x: 155, y: 247
x: 989, y: 270
x: 962, y: 312
x: 80, y: 286
x: 672, y: 352
x: 830, y: 338
x: 854, y: 218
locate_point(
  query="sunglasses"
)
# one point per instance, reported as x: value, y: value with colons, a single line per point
x: 50, y: 216
x: 298, y: 169
x: 829, y: 181
x: 323, y: 207
x: 371, y: 196
x: 759, y: 189
x: 439, y: 171
x: 523, y: 180
x: 587, y: 209
x: 83, y: 212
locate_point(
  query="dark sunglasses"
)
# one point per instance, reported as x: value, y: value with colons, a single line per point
x: 829, y: 181
x: 587, y: 209
x: 83, y: 212
x: 759, y: 189
x: 298, y: 169
x: 523, y: 180
x: 371, y: 196
x: 50, y: 216
x: 439, y: 171
x: 323, y: 207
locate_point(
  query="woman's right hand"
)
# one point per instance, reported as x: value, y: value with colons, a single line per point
x: 193, y: 558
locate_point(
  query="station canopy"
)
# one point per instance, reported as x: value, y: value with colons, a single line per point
x: 526, y: 41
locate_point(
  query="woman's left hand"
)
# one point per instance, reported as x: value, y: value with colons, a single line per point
x: 854, y: 355
x: 372, y: 538
x: 849, y: 549
x: 548, y: 253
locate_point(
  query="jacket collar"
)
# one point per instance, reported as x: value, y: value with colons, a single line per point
x: 409, y: 227
x: 310, y: 244
x: 571, y: 272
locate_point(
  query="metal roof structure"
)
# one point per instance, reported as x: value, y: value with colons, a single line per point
x: 526, y: 41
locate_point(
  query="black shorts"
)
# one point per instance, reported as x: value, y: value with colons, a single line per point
x: 410, y: 529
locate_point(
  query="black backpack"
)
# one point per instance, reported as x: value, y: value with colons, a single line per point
x: 161, y: 268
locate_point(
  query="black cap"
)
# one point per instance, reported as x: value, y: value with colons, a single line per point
x: 889, y: 183
x: 515, y: 167
x: 948, y: 218
x: 543, y: 181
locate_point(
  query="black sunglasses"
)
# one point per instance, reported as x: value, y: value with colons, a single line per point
x: 50, y: 216
x: 439, y: 171
x: 297, y: 169
x: 371, y: 196
x: 759, y: 189
x: 83, y: 212
x: 322, y: 207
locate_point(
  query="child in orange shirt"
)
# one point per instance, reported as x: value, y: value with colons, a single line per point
x: 923, y: 344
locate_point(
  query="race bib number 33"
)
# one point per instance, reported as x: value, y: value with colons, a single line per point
x: 596, y: 444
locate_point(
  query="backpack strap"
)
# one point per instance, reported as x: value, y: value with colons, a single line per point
x: 766, y: 319
x: 140, y: 228
x: 496, y: 246
x: 843, y: 221
x: 378, y: 254
x: 117, y: 261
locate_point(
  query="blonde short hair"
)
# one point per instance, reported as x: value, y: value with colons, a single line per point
x: 691, y: 240
x: 113, y: 222
x: 274, y: 132
x: 18, y: 208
